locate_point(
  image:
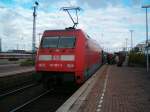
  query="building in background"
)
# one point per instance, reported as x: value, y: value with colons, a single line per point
x: 142, y: 47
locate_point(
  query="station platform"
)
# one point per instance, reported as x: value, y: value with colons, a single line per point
x: 12, y: 75
x: 112, y: 89
x: 12, y: 69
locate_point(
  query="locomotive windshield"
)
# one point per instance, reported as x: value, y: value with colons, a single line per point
x: 58, y: 42
x: 66, y: 42
x: 50, y: 42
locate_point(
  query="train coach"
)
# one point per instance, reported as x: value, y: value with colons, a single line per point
x: 68, y: 55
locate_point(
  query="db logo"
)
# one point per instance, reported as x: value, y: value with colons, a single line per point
x: 56, y: 57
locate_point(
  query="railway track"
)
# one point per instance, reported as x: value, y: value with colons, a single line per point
x: 48, y: 101
x: 17, y: 90
x: 12, y: 99
x: 34, y: 98
x: 28, y: 102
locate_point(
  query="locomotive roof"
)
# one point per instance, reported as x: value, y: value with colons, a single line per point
x: 64, y: 30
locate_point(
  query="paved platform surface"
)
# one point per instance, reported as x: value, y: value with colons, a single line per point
x: 119, y: 89
x: 10, y: 69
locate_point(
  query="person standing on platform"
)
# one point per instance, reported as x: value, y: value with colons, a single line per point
x: 121, y: 59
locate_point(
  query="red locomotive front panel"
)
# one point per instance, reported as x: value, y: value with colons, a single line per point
x: 56, y: 53
x: 56, y: 62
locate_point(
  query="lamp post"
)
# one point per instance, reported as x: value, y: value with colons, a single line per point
x: 131, y: 31
x: 147, y: 58
x: 34, y: 27
x: 126, y: 44
x: 0, y: 45
x: 1, y: 7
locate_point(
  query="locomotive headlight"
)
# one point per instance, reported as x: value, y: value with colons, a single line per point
x: 41, y: 65
x: 45, y: 57
x: 67, y: 57
x: 70, y: 65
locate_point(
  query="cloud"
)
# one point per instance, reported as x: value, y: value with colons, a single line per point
x: 99, y: 3
x: 114, y: 23
x: 23, y: 1
x: 136, y: 2
x: 14, y: 24
x: 109, y: 26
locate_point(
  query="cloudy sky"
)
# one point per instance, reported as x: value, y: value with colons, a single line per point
x: 107, y: 21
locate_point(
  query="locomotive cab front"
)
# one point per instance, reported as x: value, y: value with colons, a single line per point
x: 67, y: 56
x: 56, y: 56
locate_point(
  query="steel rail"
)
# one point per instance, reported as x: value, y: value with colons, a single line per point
x: 17, y: 90
x: 28, y: 102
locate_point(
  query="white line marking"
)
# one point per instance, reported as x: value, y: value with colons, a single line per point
x: 104, y: 90
x: 98, y: 110
x: 102, y: 97
x: 103, y: 94
x: 101, y: 101
x: 99, y: 106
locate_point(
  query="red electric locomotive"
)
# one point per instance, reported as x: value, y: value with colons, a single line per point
x: 67, y: 55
